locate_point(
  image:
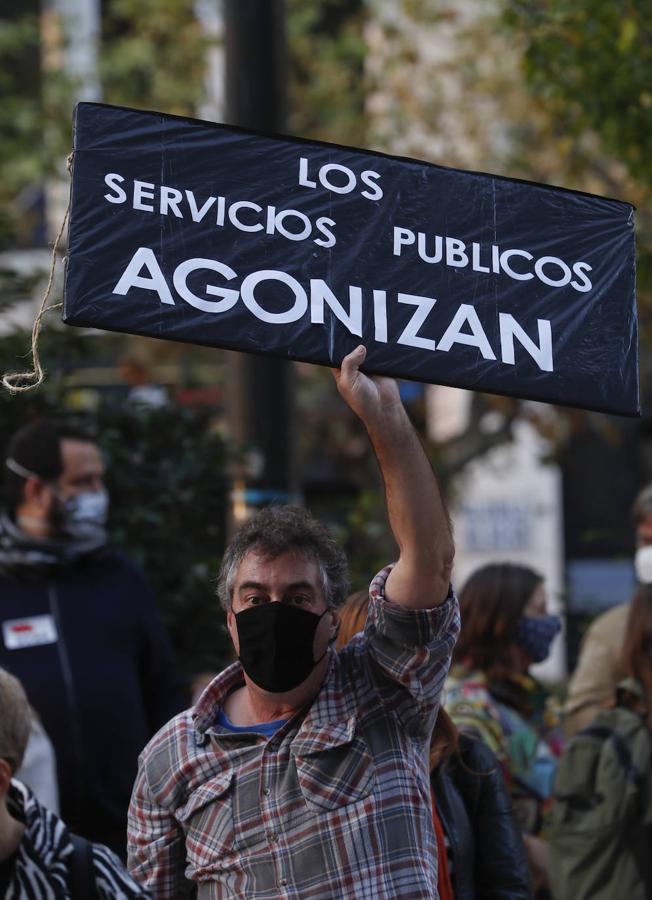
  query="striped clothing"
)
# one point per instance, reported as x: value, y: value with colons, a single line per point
x: 335, y: 805
x: 41, y: 866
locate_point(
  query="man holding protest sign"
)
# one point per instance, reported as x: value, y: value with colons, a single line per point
x: 301, y: 772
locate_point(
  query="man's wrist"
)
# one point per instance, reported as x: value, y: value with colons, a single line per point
x: 389, y: 421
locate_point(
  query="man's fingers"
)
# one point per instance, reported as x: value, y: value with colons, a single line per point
x: 352, y: 361
x: 355, y: 357
x: 350, y: 364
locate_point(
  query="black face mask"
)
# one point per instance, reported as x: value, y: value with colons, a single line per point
x: 276, y: 642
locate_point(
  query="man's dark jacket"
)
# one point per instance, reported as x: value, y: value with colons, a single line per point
x: 102, y: 689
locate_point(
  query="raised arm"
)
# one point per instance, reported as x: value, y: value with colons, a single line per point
x: 417, y: 515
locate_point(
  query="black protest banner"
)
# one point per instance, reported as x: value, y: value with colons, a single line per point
x: 190, y: 231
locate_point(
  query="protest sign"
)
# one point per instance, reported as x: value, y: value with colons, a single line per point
x: 191, y: 231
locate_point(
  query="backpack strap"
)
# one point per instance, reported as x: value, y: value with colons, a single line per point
x: 623, y: 752
x: 82, y: 876
x: 623, y: 755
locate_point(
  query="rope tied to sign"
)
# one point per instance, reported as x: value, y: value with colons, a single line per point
x: 18, y: 382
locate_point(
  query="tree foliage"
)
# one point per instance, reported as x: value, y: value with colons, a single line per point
x: 592, y: 63
x: 166, y: 475
x: 153, y: 55
x: 23, y: 162
x: 326, y: 57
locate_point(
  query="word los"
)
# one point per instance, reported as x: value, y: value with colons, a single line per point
x: 244, y: 215
x: 321, y: 296
x: 436, y: 248
x: 337, y: 185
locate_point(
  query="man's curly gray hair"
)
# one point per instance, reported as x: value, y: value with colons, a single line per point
x: 276, y: 530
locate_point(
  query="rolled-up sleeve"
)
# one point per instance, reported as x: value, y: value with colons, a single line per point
x: 412, y: 648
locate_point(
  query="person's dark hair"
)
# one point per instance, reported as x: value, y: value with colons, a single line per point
x: 37, y: 448
x: 642, y: 508
x: 445, y: 737
x: 491, y: 603
x: 637, y: 648
x: 276, y: 530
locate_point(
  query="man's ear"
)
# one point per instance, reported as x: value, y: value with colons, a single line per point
x: 36, y: 492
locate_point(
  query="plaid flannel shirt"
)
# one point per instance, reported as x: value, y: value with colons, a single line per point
x: 335, y: 805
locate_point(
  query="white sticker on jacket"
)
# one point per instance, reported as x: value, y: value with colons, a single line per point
x: 30, y: 632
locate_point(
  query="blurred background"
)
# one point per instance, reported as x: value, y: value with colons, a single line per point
x: 554, y: 91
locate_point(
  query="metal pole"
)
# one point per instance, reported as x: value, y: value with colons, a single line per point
x: 261, y: 387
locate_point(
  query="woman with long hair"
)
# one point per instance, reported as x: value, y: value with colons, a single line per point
x: 492, y: 695
x: 480, y: 853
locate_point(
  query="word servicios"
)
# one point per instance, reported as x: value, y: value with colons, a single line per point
x: 245, y: 215
x: 464, y: 326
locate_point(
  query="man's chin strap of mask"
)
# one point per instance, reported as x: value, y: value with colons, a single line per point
x: 17, y: 469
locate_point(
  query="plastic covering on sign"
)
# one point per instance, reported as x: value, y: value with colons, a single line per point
x: 204, y: 233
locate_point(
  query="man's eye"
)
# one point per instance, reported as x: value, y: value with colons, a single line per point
x: 254, y: 600
x: 299, y: 599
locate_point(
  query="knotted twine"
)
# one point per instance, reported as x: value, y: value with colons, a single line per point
x: 18, y: 382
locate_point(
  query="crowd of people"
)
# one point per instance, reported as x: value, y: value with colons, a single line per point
x: 390, y: 743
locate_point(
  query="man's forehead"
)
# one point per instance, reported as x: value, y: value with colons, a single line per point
x: 76, y: 453
x: 291, y: 565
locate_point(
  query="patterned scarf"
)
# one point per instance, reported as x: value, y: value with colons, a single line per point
x: 25, y: 556
x: 522, y: 693
x: 41, y: 868
x: 42, y: 863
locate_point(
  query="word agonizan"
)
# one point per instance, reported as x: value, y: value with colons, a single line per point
x: 463, y: 327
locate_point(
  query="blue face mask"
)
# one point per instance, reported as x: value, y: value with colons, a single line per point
x: 534, y: 635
